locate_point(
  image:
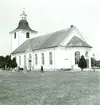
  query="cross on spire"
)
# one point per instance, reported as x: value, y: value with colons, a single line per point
x: 23, y: 15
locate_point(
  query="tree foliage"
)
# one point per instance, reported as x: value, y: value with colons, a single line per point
x: 95, y: 62
x: 82, y: 63
x: 13, y: 63
x: 2, y: 62
x: 7, y: 63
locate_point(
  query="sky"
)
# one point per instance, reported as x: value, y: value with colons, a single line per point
x: 47, y: 16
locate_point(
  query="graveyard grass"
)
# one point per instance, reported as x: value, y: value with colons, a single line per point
x: 50, y: 88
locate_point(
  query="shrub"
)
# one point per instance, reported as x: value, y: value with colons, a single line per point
x: 13, y: 63
x: 82, y: 63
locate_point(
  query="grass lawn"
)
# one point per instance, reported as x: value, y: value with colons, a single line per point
x: 50, y: 88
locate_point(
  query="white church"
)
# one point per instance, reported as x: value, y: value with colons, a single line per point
x: 54, y: 51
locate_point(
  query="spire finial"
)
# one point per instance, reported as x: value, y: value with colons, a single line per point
x: 23, y: 15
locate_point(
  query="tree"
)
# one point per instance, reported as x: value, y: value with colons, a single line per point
x: 2, y: 62
x: 82, y: 63
x: 97, y: 64
x: 8, y: 61
x: 13, y: 63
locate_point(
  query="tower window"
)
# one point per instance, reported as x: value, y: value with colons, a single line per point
x: 27, y: 35
x: 15, y: 35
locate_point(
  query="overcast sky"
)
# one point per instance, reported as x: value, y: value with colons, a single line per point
x: 51, y: 15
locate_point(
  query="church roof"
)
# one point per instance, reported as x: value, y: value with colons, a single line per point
x: 77, y: 42
x: 42, y: 42
x: 23, y: 24
x: 48, y: 41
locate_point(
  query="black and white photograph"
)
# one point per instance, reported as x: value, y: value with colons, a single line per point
x: 49, y: 52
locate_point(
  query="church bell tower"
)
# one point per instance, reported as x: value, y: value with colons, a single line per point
x: 22, y: 33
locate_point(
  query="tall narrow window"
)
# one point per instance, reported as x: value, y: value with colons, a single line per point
x: 15, y: 35
x: 36, y: 59
x: 77, y: 57
x: 19, y: 60
x: 30, y: 57
x: 50, y: 58
x: 30, y: 62
x: 24, y: 59
x: 27, y: 35
x: 42, y: 57
x: 86, y: 54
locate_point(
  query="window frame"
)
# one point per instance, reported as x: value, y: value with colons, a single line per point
x: 86, y: 54
x: 27, y: 35
x: 15, y: 35
x: 36, y: 59
x: 19, y: 60
x: 77, y: 57
x: 42, y: 59
x: 50, y: 58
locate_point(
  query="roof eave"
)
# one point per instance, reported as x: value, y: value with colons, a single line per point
x: 80, y: 46
x: 17, y: 52
x: 32, y: 50
x: 16, y: 30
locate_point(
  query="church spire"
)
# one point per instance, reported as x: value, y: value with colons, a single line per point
x: 23, y: 15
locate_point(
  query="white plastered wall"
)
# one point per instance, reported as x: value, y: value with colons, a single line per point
x: 62, y: 58
x: 65, y: 57
x: 46, y: 66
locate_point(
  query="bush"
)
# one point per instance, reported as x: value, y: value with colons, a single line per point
x: 82, y: 63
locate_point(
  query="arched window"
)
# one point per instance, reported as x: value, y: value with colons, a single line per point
x: 86, y: 54
x: 15, y: 35
x: 19, y: 60
x: 77, y: 57
x: 36, y: 59
x: 50, y: 58
x: 30, y: 57
x: 42, y: 57
x: 27, y: 35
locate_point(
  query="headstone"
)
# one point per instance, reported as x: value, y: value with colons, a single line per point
x: 13, y: 70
